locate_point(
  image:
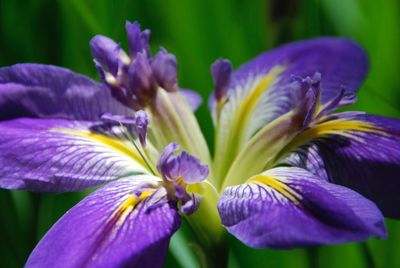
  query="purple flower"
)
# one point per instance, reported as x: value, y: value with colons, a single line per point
x: 287, y: 170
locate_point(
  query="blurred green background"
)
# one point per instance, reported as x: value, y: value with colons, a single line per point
x: 58, y: 32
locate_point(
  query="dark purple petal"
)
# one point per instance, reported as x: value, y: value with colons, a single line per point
x: 191, y: 205
x: 138, y: 41
x: 34, y: 90
x: 291, y: 207
x: 192, y: 98
x: 183, y: 166
x: 164, y: 69
x: 50, y: 155
x: 107, y: 229
x: 367, y: 161
x: 221, y: 71
x: 106, y: 52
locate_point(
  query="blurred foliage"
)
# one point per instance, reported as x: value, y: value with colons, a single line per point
x: 198, y: 32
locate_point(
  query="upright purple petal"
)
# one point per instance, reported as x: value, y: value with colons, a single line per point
x: 290, y: 207
x: 112, y: 227
x: 49, y: 155
x: 138, y: 41
x: 164, y: 68
x: 221, y: 71
x: 141, y: 83
x: 365, y: 157
x: 34, y: 90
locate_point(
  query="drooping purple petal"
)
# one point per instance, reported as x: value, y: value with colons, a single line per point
x: 164, y: 68
x: 365, y: 160
x: 110, y: 228
x: 34, y: 90
x: 290, y: 207
x: 221, y: 71
x: 50, y: 155
x: 183, y: 166
x: 192, y: 98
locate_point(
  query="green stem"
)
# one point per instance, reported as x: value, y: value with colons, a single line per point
x: 367, y: 254
x: 312, y: 255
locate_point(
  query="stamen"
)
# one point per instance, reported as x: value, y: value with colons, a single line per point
x: 132, y: 140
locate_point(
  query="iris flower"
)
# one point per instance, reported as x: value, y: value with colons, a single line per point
x: 287, y: 171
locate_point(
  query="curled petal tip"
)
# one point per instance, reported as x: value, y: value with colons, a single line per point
x: 106, y: 52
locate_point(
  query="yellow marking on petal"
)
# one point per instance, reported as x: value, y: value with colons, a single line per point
x: 276, y: 185
x: 128, y: 205
x: 228, y: 146
x: 113, y: 143
x: 335, y: 127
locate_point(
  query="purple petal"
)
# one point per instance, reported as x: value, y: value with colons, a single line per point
x: 191, y: 205
x: 140, y: 78
x: 192, y: 98
x: 165, y: 157
x: 367, y: 161
x: 341, y: 62
x: 49, y: 155
x: 112, y: 118
x: 106, y: 230
x: 164, y: 69
x: 184, y: 166
x: 34, y: 90
x: 294, y: 208
x: 106, y: 52
x: 138, y: 41
x: 221, y: 71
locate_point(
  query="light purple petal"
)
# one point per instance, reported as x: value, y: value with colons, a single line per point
x: 49, y: 155
x: 183, y: 166
x: 366, y: 161
x: 106, y: 52
x: 295, y: 209
x: 192, y: 98
x: 104, y: 231
x: 34, y: 90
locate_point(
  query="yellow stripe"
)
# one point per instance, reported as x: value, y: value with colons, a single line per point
x: 337, y: 127
x: 276, y: 185
x: 110, y: 142
x: 128, y: 205
x: 252, y: 99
